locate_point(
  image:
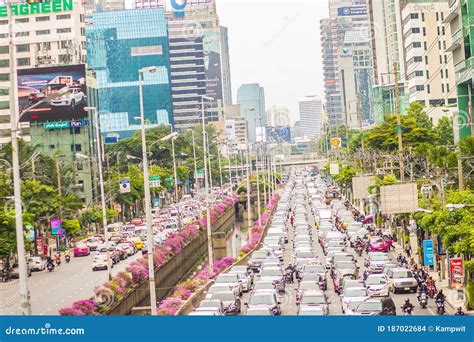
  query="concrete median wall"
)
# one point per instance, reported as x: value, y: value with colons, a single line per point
x: 172, y: 272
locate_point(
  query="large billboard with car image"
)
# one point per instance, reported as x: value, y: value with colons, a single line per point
x: 52, y: 93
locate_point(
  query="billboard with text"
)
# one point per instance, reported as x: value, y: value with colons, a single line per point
x: 399, y: 199
x: 52, y: 93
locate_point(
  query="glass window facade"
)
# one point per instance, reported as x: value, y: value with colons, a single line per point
x: 119, y: 43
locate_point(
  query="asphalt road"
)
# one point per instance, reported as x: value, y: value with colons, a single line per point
x: 288, y: 300
x: 50, y: 291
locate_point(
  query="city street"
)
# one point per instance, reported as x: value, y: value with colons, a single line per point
x: 51, y: 291
x: 288, y: 299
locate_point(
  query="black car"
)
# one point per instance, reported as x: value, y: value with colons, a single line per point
x: 376, y: 307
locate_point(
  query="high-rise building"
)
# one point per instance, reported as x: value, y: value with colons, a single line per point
x: 111, y: 5
x: 344, y: 16
x: 226, y: 79
x: 356, y: 79
x: 387, y: 50
x: 41, y: 37
x: 251, y: 98
x: 460, y: 22
x: 429, y: 66
x: 237, y: 125
x: 311, y: 115
x: 199, y: 60
x: 278, y: 116
x: 120, y: 43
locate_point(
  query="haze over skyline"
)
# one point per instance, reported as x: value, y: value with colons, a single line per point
x: 278, y: 48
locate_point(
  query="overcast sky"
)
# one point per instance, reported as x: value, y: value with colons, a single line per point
x: 275, y: 43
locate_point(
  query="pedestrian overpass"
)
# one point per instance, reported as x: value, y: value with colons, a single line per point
x: 301, y: 161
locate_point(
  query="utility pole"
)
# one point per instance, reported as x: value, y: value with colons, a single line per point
x: 399, y: 123
x: 460, y: 174
x: 359, y: 117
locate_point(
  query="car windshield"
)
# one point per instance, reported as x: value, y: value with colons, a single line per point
x: 209, y: 304
x: 226, y: 278
x: 305, y: 254
x: 308, y: 285
x: 214, y: 289
x: 369, y: 306
x: 313, y: 299
x: 224, y: 296
x: 355, y: 293
x: 314, y: 269
x: 259, y: 254
x: 402, y: 274
x: 271, y: 272
x: 262, y: 299
x: 345, y: 265
x: 378, y: 257
x: 263, y: 285
x: 375, y: 280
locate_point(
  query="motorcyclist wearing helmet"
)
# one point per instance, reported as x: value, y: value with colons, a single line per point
x: 407, y: 307
x: 422, y: 289
x: 459, y: 312
x: 440, y: 296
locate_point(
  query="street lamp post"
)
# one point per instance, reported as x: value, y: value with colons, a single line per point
x: 229, y: 157
x: 175, y: 173
x: 220, y: 166
x: 206, y: 184
x: 249, y: 208
x: 195, y: 161
x: 101, y: 184
x: 258, y: 189
x: 146, y: 181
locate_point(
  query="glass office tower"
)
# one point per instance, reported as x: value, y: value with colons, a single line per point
x: 119, y: 43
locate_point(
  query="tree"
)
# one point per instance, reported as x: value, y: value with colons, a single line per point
x: 385, y: 136
x: 72, y: 227
x: 444, y: 131
x: 416, y: 112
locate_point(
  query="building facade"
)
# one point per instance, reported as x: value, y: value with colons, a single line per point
x: 356, y: 79
x: 311, y: 116
x: 120, y: 43
x: 251, y: 98
x: 387, y: 50
x: 461, y: 23
x: 429, y: 66
x: 278, y: 117
x: 45, y: 38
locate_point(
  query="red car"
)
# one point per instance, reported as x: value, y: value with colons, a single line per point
x: 81, y: 250
x: 378, y: 244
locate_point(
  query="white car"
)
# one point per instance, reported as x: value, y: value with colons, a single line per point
x: 377, y: 285
x: 99, y: 262
x: 357, y: 294
x: 74, y: 97
x: 37, y: 263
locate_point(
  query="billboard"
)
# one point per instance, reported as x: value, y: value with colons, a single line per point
x: 211, y: 40
x: 360, y: 186
x: 56, y: 227
x: 230, y: 129
x: 351, y: 11
x: 52, y: 93
x: 456, y: 273
x: 278, y: 134
x: 334, y: 169
x: 399, y: 199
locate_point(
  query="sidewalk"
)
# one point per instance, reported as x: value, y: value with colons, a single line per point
x: 451, y: 294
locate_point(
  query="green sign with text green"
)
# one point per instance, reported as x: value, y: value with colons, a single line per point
x: 53, y: 6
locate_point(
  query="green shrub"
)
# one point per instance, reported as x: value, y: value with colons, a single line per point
x: 470, y: 295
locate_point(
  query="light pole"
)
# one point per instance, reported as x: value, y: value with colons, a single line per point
x: 220, y: 166
x: 258, y: 189
x: 146, y: 181
x: 229, y: 157
x: 249, y: 208
x: 206, y: 184
x: 195, y: 161
x: 263, y: 163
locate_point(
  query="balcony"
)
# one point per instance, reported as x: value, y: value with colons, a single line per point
x: 464, y: 70
x: 457, y: 39
x: 454, y: 11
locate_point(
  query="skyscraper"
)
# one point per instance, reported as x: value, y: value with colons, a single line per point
x: 120, y: 43
x: 344, y: 15
x: 226, y: 79
x: 251, y: 98
x: 311, y: 115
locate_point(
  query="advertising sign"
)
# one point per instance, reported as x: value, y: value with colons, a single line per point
x: 155, y: 181
x: 200, y: 174
x: 56, y: 227
x: 37, y: 7
x: 260, y: 134
x: 52, y: 93
x: 278, y: 134
x: 334, y: 169
x: 29, y: 233
x: 456, y: 272
x: 230, y: 129
x: 351, y: 11
x: 65, y: 124
x: 428, y: 256
x: 399, y: 199
x: 336, y: 143
x: 360, y: 186
x: 124, y: 186
x: 39, y: 244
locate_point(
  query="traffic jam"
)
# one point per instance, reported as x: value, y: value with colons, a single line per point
x: 321, y: 257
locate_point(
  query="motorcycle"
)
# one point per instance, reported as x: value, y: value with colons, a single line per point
x: 6, y: 276
x: 50, y: 267
x: 67, y: 258
x: 359, y: 250
x: 323, y: 285
x: 407, y: 310
x: 280, y: 285
x: 431, y: 290
x: 289, y: 276
x: 423, y: 300
x: 440, y: 309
